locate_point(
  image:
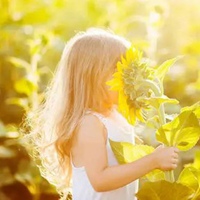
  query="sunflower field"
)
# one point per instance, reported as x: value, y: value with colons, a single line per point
x: 165, y: 33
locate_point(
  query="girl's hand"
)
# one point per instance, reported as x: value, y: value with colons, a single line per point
x: 166, y: 158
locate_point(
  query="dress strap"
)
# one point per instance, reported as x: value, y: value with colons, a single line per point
x: 100, y: 117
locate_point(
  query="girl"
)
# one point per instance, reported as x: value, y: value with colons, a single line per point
x: 73, y: 126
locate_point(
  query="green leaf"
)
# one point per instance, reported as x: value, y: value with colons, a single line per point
x: 190, y: 177
x: 25, y: 86
x: 155, y: 175
x: 195, y: 108
x: 188, y: 138
x: 156, y: 102
x: 164, y: 67
x: 17, y: 62
x: 22, y: 102
x: 183, y: 132
x: 197, y: 198
x: 126, y: 152
x: 163, y: 190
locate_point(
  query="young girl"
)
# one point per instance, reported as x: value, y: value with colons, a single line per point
x: 72, y: 129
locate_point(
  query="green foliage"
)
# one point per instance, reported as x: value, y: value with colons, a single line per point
x: 194, y: 109
x: 17, y: 62
x: 162, y: 69
x: 190, y: 177
x: 157, y: 101
x: 16, y: 167
x: 25, y: 86
x: 163, y: 190
x: 12, y: 152
x: 33, y: 34
x: 126, y: 152
x: 183, y: 132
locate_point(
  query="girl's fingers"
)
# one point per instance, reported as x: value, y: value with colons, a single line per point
x: 175, y: 161
x: 175, y: 155
x: 176, y: 150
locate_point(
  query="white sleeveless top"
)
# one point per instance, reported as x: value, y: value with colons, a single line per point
x: 81, y: 186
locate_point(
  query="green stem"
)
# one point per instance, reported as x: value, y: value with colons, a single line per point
x: 153, y: 86
x: 161, y: 112
x: 169, y: 174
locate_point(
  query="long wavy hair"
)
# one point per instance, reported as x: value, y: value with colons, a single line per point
x: 88, y: 61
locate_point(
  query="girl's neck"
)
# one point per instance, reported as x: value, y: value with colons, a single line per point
x: 108, y: 112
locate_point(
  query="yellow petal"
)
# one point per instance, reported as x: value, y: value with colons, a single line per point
x: 119, y: 67
x: 132, y: 116
x: 124, y: 62
x: 123, y: 107
x: 117, y: 75
x: 139, y: 116
x: 129, y: 55
x: 114, y: 85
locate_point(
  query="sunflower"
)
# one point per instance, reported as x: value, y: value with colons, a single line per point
x: 128, y: 80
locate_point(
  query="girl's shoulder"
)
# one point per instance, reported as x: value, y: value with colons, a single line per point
x: 89, y: 126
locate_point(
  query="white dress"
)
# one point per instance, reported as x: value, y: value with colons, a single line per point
x: 82, y: 188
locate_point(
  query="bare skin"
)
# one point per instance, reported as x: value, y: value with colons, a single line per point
x: 89, y: 150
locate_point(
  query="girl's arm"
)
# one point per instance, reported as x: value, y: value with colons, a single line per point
x: 89, y: 150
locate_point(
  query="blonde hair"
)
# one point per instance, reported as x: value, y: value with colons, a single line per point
x: 88, y: 61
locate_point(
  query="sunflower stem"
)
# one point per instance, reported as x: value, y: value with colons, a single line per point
x: 153, y: 86
x: 169, y: 175
x: 161, y: 113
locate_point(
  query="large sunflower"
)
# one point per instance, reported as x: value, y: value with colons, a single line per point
x: 128, y: 80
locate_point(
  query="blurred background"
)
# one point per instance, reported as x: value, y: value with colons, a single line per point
x: 32, y: 36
